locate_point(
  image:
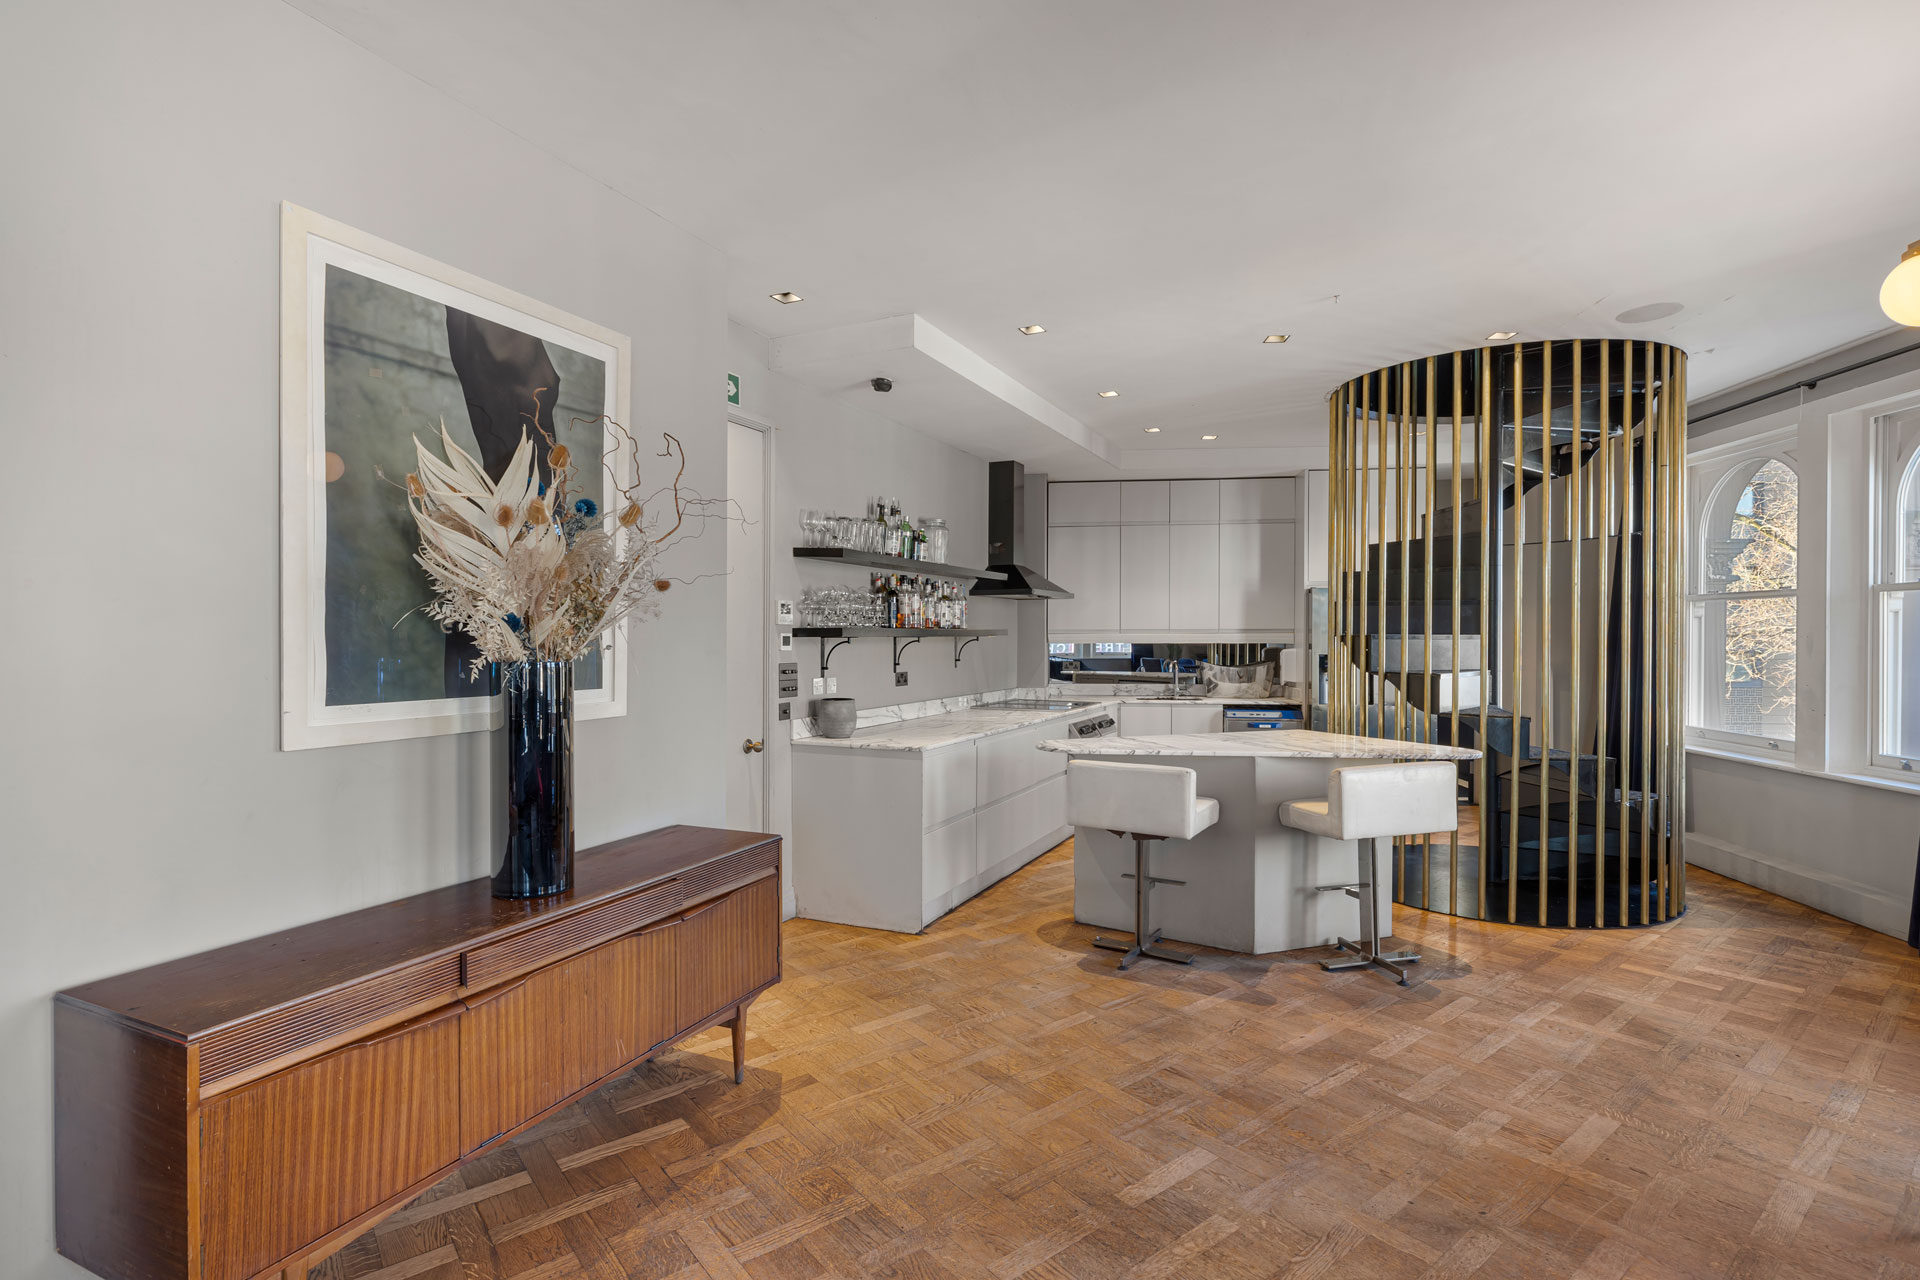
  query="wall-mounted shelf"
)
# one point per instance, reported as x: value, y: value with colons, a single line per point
x: 962, y: 636
x: 898, y: 564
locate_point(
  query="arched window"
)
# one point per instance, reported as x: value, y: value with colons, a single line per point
x: 1897, y: 594
x: 1744, y: 608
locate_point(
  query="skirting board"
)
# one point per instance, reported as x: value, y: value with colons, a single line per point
x: 1835, y: 895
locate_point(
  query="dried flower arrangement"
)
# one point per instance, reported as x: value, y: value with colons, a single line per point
x: 524, y: 571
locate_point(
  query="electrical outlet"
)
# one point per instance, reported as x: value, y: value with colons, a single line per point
x: 899, y: 679
x: 833, y: 685
x: 819, y: 686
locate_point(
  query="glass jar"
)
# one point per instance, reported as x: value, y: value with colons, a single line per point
x: 937, y: 541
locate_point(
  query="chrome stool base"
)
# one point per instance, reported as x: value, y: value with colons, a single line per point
x: 1146, y: 939
x: 1366, y: 951
x: 1134, y: 950
x: 1362, y: 957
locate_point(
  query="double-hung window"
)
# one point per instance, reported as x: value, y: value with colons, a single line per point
x: 1743, y: 601
x: 1896, y: 595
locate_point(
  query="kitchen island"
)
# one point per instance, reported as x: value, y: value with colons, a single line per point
x: 1250, y: 881
x: 928, y: 803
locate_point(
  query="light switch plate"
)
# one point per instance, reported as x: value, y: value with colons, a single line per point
x: 786, y: 711
x: 833, y: 685
x: 786, y: 642
x: 899, y: 679
x: 819, y: 686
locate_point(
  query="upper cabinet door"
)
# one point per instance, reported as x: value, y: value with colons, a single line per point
x: 1193, y: 588
x: 1083, y: 502
x: 1086, y: 561
x: 1268, y: 498
x: 1143, y: 502
x: 1143, y: 578
x: 1313, y: 530
x: 1258, y: 577
x: 1195, y: 502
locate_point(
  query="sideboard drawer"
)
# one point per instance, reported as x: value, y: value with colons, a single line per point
x: 291, y: 1157
x: 529, y: 1045
x: 725, y: 949
x: 529, y: 948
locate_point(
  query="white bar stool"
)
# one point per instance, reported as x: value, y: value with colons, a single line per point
x: 1365, y: 802
x: 1147, y: 802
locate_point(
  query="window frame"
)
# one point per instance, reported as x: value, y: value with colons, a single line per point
x: 1710, y: 490
x: 1894, y: 469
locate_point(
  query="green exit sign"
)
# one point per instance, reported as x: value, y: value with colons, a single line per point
x: 733, y: 388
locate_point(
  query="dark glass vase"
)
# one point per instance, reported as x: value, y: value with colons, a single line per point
x: 538, y: 861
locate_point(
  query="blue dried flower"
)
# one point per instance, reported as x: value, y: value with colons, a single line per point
x: 513, y: 623
x: 543, y: 490
x: 587, y: 508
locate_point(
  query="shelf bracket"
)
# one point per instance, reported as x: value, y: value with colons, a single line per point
x: 827, y: 653
x: 900, y: 648
x: 960, y: 644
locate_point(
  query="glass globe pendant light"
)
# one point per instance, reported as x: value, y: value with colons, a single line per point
x: 1900, y: 292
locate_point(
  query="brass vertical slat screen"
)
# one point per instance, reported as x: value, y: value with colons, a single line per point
x: 1506, y: 546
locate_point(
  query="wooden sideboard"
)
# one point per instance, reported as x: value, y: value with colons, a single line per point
x: 247, y: 1110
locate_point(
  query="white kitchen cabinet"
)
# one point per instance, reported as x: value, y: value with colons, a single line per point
x: 1266, y: 498
x: 1193, y: 578
x: 1313, y: 529
x: 1143, y: 719
x: 1084, y: 502
x: 1143, y: 578
x: 1184, y: 560
x: 1196, y: 718
x: 1194, y: 502
x: 1085, y: 559
x: 947, y: 784
x: 949, y: 856
x: 1143, y: 501
x: 1258, y: 577
x: 895, y: 839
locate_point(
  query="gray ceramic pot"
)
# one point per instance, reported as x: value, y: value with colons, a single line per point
x: 836, y: 717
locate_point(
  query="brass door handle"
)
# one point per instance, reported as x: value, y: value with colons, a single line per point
x: 750, y: 746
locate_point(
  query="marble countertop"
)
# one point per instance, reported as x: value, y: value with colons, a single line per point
x: 1296, y: 744
x: 946, y: 728
x: 1139, y: 693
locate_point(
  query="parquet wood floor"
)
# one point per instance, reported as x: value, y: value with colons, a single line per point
x: 1736, y: 1094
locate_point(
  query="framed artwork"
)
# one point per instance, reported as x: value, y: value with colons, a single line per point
x: 378, y: 345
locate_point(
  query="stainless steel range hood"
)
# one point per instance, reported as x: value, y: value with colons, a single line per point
x: 1007, y: 539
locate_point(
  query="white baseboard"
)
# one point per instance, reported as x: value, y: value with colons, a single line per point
x: 1822, y: 890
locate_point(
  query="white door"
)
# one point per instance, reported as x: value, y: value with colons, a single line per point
x: 747, y: 633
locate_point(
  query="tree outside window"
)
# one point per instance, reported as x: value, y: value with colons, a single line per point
x: 1745, y: 613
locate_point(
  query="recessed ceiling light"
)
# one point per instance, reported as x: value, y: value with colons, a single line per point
x: 1507, y: 336
x: 1033, y: 328
x: 1276, y: 337
x: 1108, y: 395
x: 1209, y: 437
x: 1152, y: 431
x: 787, y: 298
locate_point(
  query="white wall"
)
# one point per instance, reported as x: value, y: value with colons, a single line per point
x: 831, y: 453
x: 1822, y: 826
x: 147, y: 810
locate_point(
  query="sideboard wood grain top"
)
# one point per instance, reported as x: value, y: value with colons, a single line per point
x: 198, y: 994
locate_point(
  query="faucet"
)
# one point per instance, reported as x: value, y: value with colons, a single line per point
x: 1177, y: 673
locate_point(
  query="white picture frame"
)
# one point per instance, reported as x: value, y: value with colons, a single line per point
x: 309, y: 243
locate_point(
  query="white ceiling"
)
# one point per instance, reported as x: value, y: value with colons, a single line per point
x: 1162, y: 184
